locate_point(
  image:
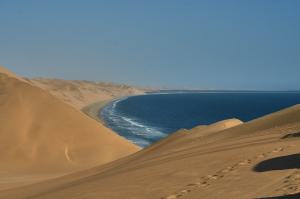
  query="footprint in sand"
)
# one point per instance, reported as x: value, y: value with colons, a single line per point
x: 205, y: 181
x: 228, y: 169
x: 291, y: 184
x: 203, y: 184
x: 212, y: 177
x: 263, y: 155
x: 177, y: 195
x: 225, y: 170
x: 170, y: 197
x: 193, y: 185
x: 245, y: 162
x: 185, y: 191
x: 290, y: 187
x: 197, y: 184
x: 277, y: 150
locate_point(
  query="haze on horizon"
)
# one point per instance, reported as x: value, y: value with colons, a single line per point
x: 175, y: 44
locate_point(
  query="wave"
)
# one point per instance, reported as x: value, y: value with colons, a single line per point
x: 133, y: 129
x: 140, y: 142
x: 132, y: 122
x: 115, y: 102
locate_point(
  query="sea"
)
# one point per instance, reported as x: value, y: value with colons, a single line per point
x: 145, y: 119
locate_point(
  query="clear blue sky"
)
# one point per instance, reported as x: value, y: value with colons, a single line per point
x: 242, y: 44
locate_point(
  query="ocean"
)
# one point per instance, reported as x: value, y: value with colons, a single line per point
x: 145, y: 119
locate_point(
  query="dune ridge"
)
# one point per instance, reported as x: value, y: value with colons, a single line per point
x: 41, y: 135
x: 80, y: 93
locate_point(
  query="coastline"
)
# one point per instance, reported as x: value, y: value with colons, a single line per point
x: 93, y: 110
x: 138, y: 132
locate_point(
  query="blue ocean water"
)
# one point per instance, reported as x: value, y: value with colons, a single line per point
x: 146, y: 119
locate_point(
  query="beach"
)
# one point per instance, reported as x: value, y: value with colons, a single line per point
x: 94, y: 109
x: 145, y: 119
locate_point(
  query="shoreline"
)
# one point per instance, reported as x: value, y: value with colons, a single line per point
x: 119, y: 125
x: 93, y: 110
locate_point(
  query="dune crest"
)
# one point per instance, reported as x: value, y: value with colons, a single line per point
x: 218, y: 126
x: 8, y: 73
x: 40, y: 134
x: 80, y: 94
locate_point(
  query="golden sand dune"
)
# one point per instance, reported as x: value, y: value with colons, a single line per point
x: 83, y: 93
x: 8, y: 73
x: 225, y: 160
x: 41, y: 136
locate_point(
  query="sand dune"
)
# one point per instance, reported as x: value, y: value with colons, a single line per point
x: 41, y: 136
x: 228, y: 159
x: 80, y: 94
x: 8, y: 73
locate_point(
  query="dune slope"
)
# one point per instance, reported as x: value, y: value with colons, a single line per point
x: 80, y: 94
x: 41, y: 135
x: 228, y: 159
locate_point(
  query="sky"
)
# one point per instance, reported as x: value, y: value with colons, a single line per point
x: 241, y: 44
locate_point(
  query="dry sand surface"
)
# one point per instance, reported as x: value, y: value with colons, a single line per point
x: 84, y: 93
x: 41, y: 136
x: 226, y: 160
x: 229, y: 159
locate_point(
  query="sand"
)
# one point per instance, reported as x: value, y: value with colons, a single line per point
x: 81, y: 94
x: 94, y: 109
x: 41, y: 136
x: 229, y: 159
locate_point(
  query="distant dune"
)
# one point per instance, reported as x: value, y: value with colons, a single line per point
x: 83, y: 93
x: 41, y: 136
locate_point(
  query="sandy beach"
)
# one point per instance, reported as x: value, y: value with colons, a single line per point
x: 87, y: 96
x: 94, y: 109
x: 82, y: 94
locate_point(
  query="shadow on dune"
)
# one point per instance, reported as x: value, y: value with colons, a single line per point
x: 279, y: 163
x: 292, y: 196
x: 291, y: 135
